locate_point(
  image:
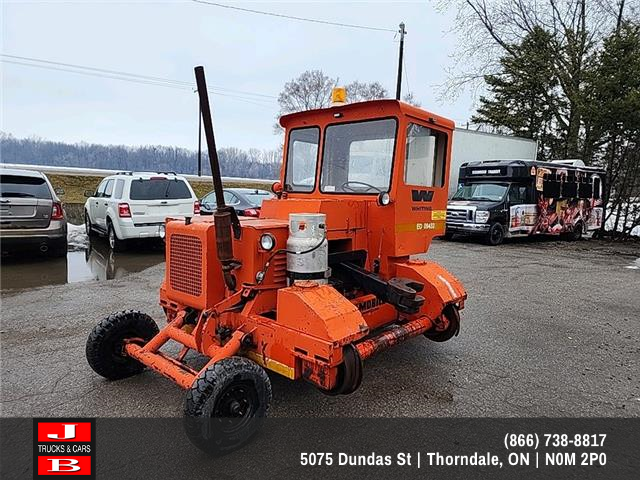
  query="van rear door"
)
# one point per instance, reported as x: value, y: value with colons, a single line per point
x: 155, y: 198
x: 25, y: 202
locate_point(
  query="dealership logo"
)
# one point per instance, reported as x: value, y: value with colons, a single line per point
x: 64, y: 447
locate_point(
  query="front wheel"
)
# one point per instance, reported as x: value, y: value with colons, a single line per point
x: 495, y: 235
x: 225, y: 405
x: 105, y: 345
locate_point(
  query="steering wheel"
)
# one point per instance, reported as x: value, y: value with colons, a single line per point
x: 346, y: 186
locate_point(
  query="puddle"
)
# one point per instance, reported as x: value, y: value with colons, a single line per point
x: 95, y: 262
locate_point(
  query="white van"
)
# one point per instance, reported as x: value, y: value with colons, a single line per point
x: 132, y: 205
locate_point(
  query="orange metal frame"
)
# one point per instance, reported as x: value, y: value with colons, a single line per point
x: 299, y: 331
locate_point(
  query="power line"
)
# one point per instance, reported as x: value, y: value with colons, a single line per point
x: 291, y: 17
x: 119, y: 75
x: 252, y: 101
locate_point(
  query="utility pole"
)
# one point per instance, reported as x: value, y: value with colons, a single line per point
x: 399, y: 85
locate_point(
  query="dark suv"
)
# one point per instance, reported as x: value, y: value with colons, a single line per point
x: 31, y: 214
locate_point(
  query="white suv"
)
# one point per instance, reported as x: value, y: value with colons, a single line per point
x: 134, y: 204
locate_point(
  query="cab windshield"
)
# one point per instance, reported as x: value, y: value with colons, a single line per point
x: 481, y: 192
x: 357, y: 157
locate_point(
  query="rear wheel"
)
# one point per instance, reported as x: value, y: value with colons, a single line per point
x: 115, y: 243
x: 88, y: 226
x: 495, y: 235
x: 105, y: 345
x: 448, y: 235
x: 576, y: 233
x: 349, y: 372
x: 447, y: 326
x: 225, y: 405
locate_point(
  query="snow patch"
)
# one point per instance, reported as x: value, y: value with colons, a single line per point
x: 77, y: 237
x: 635, y: 265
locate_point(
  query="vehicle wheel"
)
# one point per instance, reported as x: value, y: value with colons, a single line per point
x: 576, y: 233
x: 349, y: 373
x: 88, y: 226
x: 225, y: 405
x: 115, y: 243
x: 446, y: 328
x: 448, y: 235
x: 105, y: 345
x: 495, y: 236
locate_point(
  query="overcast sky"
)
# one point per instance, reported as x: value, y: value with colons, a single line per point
x: 241, y: 51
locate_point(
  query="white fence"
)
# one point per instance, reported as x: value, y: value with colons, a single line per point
x: 99, y: 172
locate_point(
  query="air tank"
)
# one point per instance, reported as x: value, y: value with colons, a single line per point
x: 307, y: 247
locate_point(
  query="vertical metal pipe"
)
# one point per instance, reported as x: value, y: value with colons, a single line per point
x: 208, y: 132
x: 224, y: 216
x: 199, y: 138
x: 400, y: 55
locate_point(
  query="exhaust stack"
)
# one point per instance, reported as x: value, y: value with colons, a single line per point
x: 225, y: 217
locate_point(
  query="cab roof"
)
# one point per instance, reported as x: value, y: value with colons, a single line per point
x: 362, y: 111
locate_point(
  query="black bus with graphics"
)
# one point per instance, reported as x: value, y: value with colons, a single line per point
x: 498, y: 199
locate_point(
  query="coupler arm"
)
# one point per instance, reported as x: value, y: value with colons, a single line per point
x: 402, y: 293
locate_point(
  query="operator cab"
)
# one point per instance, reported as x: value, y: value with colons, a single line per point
x: 380, y: 165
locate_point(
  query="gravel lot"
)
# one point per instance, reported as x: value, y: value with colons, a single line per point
x: 550, y: 329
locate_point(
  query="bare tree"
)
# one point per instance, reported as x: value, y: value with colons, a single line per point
x: 310, y: 90
x: 361, y: 92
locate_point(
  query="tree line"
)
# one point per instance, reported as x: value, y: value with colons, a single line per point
x: 234, y: 162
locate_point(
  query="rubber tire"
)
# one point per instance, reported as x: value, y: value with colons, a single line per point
x: 576, y: 234
x: 348, y: 381
x: 105, y: 341
x: 201, y: 399
x: 452, y: 313
x: 117, y: 245
x: 448, y: 235
x: 494, y: 242
x: 88, y: 227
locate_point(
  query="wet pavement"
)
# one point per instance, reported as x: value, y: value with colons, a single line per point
x: 549, y: 329
x: 93, y: 260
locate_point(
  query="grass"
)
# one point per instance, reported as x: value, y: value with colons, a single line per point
x: 74, y: 186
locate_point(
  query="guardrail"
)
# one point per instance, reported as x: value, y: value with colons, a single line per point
x: 99, y: 172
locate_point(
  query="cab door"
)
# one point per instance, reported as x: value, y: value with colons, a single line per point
x: 519, y: 208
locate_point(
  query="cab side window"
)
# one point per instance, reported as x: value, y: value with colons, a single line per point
x: 517, y: 195
x: 425, y: 156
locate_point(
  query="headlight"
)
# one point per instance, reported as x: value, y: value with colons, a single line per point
x: 482, y: 216
x: 384, y: 199
x: 267, y: 242
x: 162, y: 232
